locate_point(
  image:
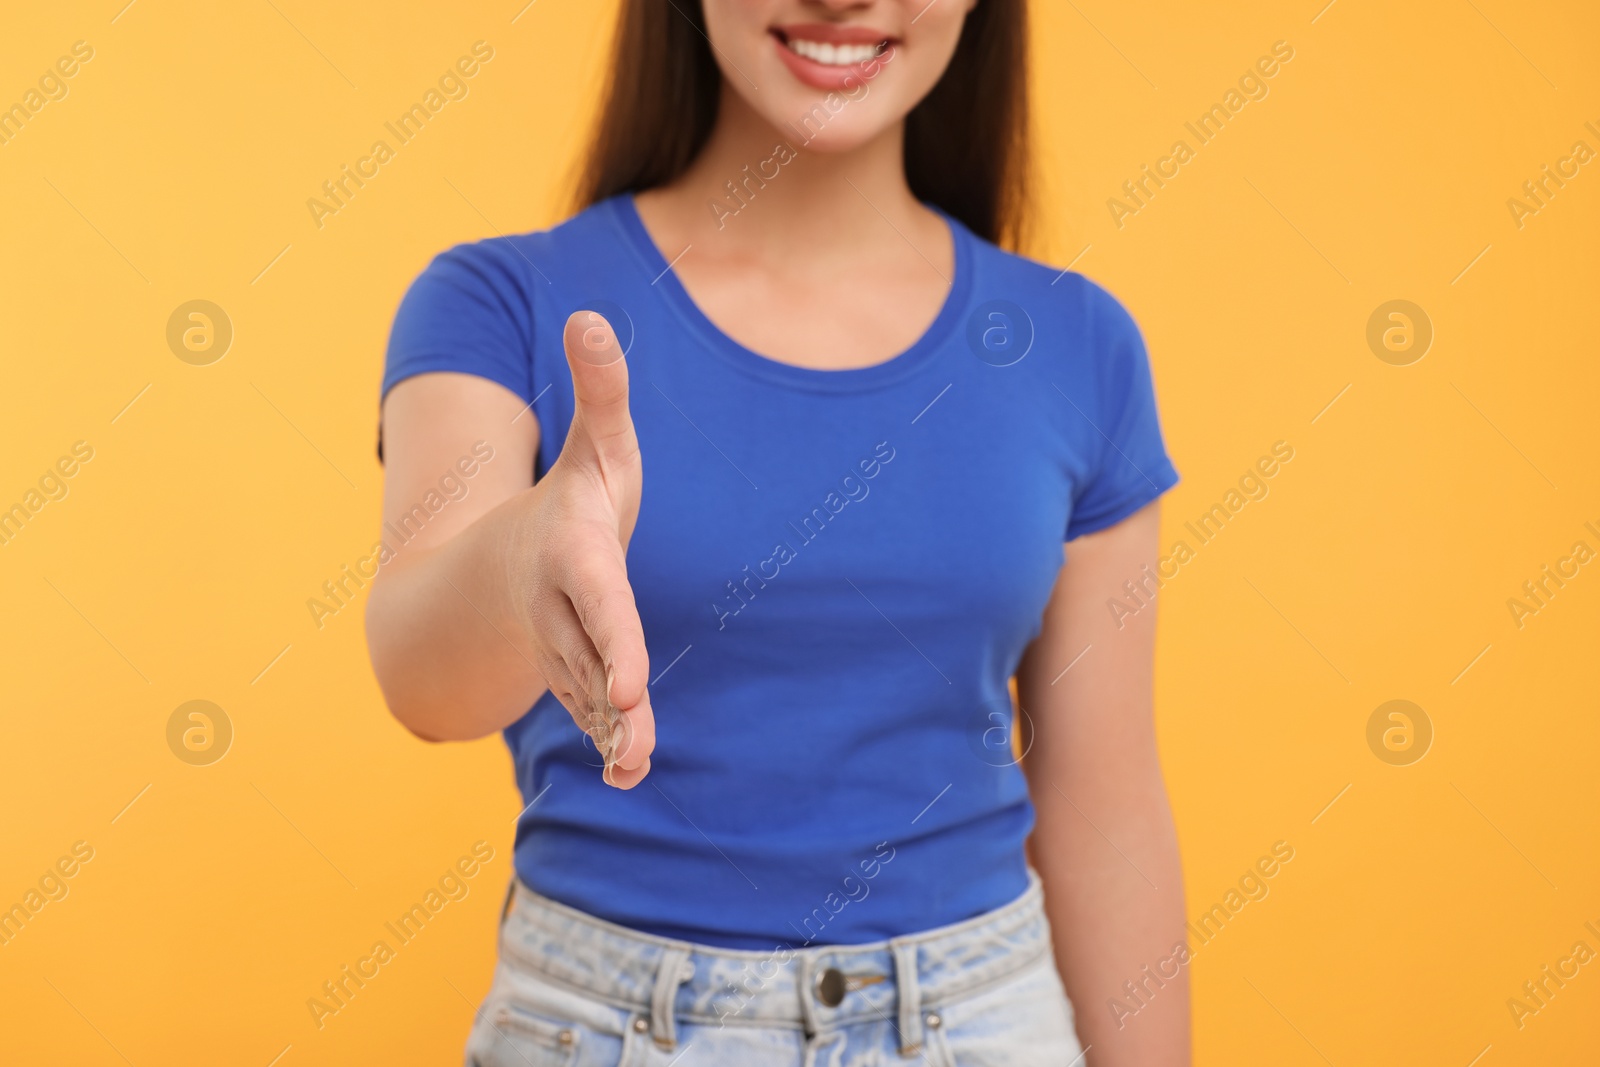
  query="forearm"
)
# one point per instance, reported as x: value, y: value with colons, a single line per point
x: 447, y: 636
x: 1108, y: 856
x: 1104, y: 841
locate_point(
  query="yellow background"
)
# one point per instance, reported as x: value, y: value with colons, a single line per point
x: 1379, y: 567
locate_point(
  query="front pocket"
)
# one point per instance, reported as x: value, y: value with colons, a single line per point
x: 509, y: 1036
x: 936, y: 1049
x: 1024, y: 1021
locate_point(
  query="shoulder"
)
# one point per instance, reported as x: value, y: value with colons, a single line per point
x: 1063, y: 299
x: 521, y: 262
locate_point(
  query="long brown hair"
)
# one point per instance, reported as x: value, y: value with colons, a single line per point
x: 966, y: 144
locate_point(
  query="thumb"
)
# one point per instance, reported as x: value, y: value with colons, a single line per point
x: 600, y: 388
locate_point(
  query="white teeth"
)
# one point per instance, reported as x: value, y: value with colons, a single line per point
x: 841, y: 55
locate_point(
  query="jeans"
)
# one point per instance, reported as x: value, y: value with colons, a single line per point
x: 571, y: 990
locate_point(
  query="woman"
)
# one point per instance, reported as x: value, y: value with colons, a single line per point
x: 773, y: 812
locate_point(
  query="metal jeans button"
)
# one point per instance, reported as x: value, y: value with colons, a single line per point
x: 831, y: 987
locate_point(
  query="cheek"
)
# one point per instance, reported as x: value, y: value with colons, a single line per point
x: 928, y: 50
x: 744, y: 50
x: 737, y: 29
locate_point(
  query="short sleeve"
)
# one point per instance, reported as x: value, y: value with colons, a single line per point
x: 469, y: 311
x: 1133, y: 467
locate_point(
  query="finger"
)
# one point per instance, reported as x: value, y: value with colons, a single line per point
x: 574, y: 673
x: 600, y: 388
x: 621, y: 736
x: 559, y: 681
x: 597, y: 584
x: 624, y: 779
x: 636, y: 736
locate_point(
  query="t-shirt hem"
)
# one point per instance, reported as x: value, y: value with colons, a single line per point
x: 1159, y: 481
x: 413, y: 366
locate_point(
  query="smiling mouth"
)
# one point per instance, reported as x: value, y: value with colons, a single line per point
x: 832, y: 53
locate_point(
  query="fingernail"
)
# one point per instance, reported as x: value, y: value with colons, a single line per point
x: 598, y: 345
x: 599, y: 732
x: 611, y: 680
x: 621, y: 739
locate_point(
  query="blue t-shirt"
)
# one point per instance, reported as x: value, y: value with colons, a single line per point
x: 837, y: 572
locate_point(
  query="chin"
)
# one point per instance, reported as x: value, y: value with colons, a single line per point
x: 810, y: 126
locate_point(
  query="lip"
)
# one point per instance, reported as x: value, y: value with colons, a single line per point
x: 822, y: 75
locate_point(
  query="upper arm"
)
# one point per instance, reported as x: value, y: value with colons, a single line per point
x: 1093, y: 723
x: 455, y: 446
x: 1095, y: 718
x: 458, y: 429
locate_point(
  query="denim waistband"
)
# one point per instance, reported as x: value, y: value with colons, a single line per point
x: 669, y: 980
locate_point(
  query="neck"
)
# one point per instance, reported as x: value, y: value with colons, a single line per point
x: 785, y: 196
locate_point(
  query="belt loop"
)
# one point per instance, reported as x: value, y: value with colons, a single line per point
x: 805, y: 981
x: 673, y: 971
x: 908, y: 995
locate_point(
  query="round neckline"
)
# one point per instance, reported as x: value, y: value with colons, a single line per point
x: 848, y: 379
